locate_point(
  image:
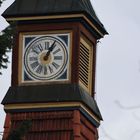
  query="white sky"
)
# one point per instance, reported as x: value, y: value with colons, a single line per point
x: 118, y: 69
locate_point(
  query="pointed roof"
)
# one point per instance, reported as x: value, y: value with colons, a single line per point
x: 25, y: 8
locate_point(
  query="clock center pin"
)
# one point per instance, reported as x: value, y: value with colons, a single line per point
x: 45, y: 59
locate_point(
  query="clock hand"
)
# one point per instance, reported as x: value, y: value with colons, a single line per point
x: 49, y: 50
x: 52, y: 46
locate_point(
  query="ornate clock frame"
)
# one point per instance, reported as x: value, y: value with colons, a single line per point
x: 65, y: 34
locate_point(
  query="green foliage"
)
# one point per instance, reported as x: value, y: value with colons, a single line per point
x: 6, y: 44
x: 1, y: 2
x: 21, y: 131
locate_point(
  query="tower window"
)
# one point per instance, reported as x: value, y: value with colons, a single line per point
x: 85, y: 64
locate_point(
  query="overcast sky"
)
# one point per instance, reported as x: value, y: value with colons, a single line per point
x: 118, y: 69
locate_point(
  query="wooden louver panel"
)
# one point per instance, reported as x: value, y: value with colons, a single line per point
x: 85, y: 69
x: 84, y: 65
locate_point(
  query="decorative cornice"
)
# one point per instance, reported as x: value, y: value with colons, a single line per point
x: 57, y: 17
x: 32, y: 106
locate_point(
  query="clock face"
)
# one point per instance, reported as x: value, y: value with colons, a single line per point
x: 45, y: 57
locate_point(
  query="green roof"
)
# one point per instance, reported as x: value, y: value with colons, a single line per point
x: 51, y: 93
x: 22, y: 8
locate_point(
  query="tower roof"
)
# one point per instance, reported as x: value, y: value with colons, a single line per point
x: 41, y: 93
x: 24, y: 8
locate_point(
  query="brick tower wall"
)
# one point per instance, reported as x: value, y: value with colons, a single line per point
x: 54, y: 125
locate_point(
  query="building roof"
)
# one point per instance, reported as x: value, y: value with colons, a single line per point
x: 50, y: 93
x: 23, y: 8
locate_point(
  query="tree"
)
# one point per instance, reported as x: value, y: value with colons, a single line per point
x: 6, y: 44
x: 1, y: 2
x: 21, y: 131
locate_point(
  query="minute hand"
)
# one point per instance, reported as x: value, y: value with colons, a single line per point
x: 50, y: 50
x: 52, y: 47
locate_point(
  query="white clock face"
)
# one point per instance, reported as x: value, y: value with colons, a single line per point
x: 46, y: 57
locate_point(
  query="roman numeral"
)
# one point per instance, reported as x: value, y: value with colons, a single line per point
x: 40, y: 48
x: 47, y: 45
x: 35, y: 50
x: 32, y: 58
x: 57, y: 57
x: 50, y: 68
x: 45, y: 70
x: 34, y: 65
x: 55, y: 65
x: 39, y: 69
x: 56, y: 51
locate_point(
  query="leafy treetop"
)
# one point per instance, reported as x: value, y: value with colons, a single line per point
x: 6, y: 44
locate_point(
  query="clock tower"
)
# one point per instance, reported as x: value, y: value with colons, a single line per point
x: 53, y: 70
